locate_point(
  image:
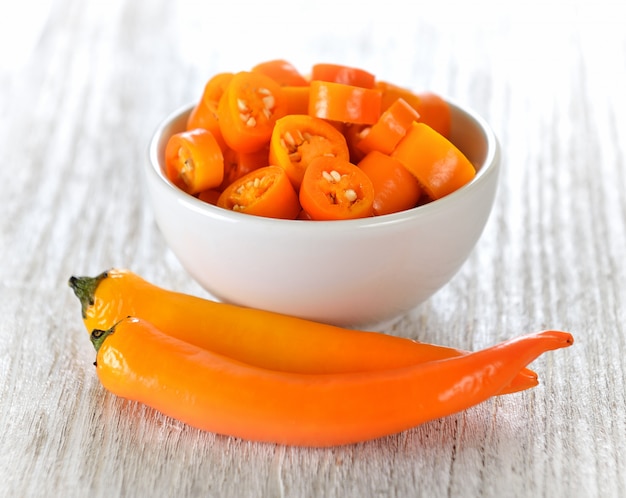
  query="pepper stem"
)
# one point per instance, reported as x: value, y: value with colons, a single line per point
x: 98, y: 336
x: 85, y: 289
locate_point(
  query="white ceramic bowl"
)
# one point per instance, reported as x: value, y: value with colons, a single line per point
x: 356, y: 273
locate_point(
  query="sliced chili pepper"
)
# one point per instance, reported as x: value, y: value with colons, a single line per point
x: 238, y: 164
x: 296, y: 99
x: 334, y: 189
x: 210, y: 196
x: 354, y: 133
x: 304, y: 216
x: 344, y: 103
x: 339, y: 73
x: 390, y: 93
x: 265, y: 192
x: 281, y: 71
x: 247, y: 111
x: 433, y: 109
x: 194, y: 160
x: 204, y: 114
x: 395, y: 189
x: 297, y: 139
x: 435, y: 112
x: 437, y: 164
x: 392, y: 125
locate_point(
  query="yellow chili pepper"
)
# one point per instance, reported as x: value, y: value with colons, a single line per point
x: 261, y: 338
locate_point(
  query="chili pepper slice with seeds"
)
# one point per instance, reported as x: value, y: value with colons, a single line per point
x: 297, y: 139
x: 336, y: 190
x: 251, y: 104
x: 194, y: 161
x: 264, y: 192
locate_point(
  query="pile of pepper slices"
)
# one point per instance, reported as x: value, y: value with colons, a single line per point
x: 337, y: 144
x: 273, y: 378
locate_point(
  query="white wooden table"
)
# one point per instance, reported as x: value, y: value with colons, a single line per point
x: 83, y: 84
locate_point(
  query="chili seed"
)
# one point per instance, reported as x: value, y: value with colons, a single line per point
x: 242, y: 106
x: 350, y: 195
x: 269, y: 101
x: 187, y: 167
x: 335, y: 175
x: 289, y: 139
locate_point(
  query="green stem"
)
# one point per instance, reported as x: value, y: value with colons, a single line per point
x: 98, y: 336
x: 85, y: 289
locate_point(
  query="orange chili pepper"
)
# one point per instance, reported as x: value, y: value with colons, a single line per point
x: 239, y: 164
x: 437, y: 164
x: 194, y: 160
x: 344, y: 103
x: 210, y: 196
x: 251, y: 104
x: 282, y: 72
x: 395, y: 189
x: 353, y: 134
x: 297, y: 139
x: 390, y: 128
x: 245, y: 111
x: 265, y: 192
x: 334, y: 189
x: 135, y: 360
x: 296, y: 99
x: 245, y: 334
x: 204, y: 114
x: 390, y: 93
x: 346, y: 75
x: 433, y: 110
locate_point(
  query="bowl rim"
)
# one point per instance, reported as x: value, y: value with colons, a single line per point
x: 489, y: 166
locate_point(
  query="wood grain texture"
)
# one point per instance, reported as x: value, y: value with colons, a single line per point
x: 77, y: 108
